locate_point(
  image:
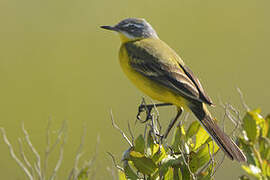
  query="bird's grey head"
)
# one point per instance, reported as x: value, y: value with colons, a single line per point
x: 134, y: 28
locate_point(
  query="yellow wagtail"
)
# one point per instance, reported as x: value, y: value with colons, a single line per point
x: 160, y: 73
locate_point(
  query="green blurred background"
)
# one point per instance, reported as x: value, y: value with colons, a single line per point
x: 56, y: 62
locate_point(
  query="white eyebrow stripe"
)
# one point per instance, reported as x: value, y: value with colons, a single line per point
x: 133, y: 24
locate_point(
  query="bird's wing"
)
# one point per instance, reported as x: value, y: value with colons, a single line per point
x: 166, y: 72
x: 197, y: 83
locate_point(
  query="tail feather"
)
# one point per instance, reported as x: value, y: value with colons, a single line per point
x: 223, y: 140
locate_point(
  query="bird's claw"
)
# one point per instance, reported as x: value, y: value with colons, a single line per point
x: 147, y: 110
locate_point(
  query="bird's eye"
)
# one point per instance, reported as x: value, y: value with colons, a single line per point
x: 132, y: 26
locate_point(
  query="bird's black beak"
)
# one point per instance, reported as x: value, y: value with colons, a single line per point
x: 111, y: 28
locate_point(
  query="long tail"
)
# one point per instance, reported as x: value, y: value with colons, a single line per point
x: 222, y: 139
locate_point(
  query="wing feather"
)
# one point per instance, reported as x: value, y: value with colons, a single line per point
x: 172, y: 75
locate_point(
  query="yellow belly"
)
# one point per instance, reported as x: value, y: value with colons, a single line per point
x: 148, y: 86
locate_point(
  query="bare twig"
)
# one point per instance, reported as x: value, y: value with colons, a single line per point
x: 74, y: 172
x: 13, y: 155
x: 184, y: 159
x: 212, y: 158
x: 145, y: 131
x: 120, y: 130
x: 237, y: 120
x: 50, y: 148
x: 242, y: 99
x: 114, y: 162
x: 111, y: 170
x: 184, y: 120
x: 157, y: 118
x: 25, y: 160
x: 131, y: 133
x: 59, y: 162
x: 38, y: 164
x: 228, y: 108
x: 219, y: 164
x: 154, y: 124
x: 47, y: 150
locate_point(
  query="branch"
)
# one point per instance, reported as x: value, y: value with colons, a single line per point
x: 25, y: 160
x: 242, y: 99
x: 50, y: 148
x: 120, y: 130
x: 59, y: 162
x: 74, y: 171
x: 114, y: 162
x: 37, y: 165
x: 13, y: 155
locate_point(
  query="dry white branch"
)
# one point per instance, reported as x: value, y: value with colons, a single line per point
x: 113, y: 174
x: 114, y: 162
x: 25, y: 160
x: 131, y: 133
x: 59, y: 162
x: 219, y: 164
x: 212, y: 160
x: 47, y: 150
x: 242, y: 99
x: 73, y: 175
x: 13, y: 155
x: 38, y: 162
x: 120, y: 130
x: 185, y: 162
x: 50, y: 148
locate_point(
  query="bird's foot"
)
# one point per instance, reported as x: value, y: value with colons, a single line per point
x: 147, y: 109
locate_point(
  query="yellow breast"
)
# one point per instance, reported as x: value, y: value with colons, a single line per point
x: 149, y: 87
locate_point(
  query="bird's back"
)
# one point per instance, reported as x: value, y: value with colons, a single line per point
x: 157, y: 49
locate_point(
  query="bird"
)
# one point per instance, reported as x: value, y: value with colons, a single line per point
x: 159, y: 72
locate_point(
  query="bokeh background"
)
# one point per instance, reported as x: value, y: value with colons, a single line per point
x: 55, y: 62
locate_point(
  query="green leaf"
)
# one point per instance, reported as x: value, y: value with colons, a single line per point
x: 177, y: 174
x: 201, y: 137
x: 251, y: 159
x: 268, y: 170
x: 264, y: 167
x: 169, y: 174
x: 256, y: 116
x: 193, y: 163
x: 143, y: 164
x: 139, y: 144
x: 267, y: 119
x: 167, y: 162
x: 264, y: 148
x: 135, y: 154
x: 202, y: 156
x: 179, y: 134
x: 252, y: 170
x: 206, y: 176
x: 250, y: 126
x: 264, y: 128
x: 83, y: 175
x: 193, y: 129
x: 121, y: 175
x: 159, y: 155
x: 185, y: 172
x: 244, y: 178
x: 150, y: 144
x: 130, y: 174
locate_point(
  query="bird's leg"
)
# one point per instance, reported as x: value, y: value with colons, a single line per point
x: 148, y: 108
x: 179, y: 112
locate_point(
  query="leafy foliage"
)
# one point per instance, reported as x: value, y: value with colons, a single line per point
x: 190, y: 153
x: 255, y: 143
